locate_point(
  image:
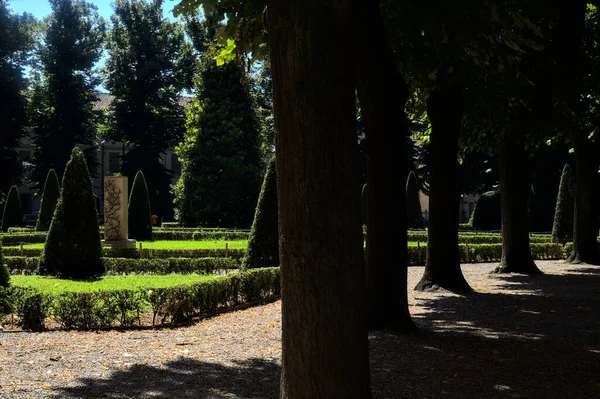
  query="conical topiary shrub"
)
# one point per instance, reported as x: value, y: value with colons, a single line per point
x: 49, y: 201
x: 562, y: 229
x: 263, y: 245
x: 13, y: 213
x: 413, y: 205
x: 364, y: 203
x: 73, y: 248
x: 487, y: 212
x: 140, y: 218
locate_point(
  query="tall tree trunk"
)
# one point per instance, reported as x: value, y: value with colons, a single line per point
x: 514, y: 191
x: 567, y: 47
x: 585, y: 222
x: 382, y: 93
x: 324, y: 341
x: 442, y: 268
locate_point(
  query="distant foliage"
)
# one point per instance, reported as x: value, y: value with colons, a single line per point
x: 49, y: 201
x: 263, y: 245
x: 140, y: 218
x: 4, y: 274
x: 413, y: 204
x: 73, y: 248
x: 562, y: 229
x: 487, y: 212
x: 13, y: 213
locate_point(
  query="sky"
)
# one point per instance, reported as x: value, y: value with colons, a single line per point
x: 41, y: 8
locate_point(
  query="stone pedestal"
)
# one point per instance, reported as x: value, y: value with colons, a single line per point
x: 116, y: 228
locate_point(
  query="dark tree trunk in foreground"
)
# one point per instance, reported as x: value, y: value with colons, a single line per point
x: 382, y: 93
x: 514, y: 190
x: 442, y: 269
x: 324, y: 341
x: 585, y: 222
x: 567, y: 46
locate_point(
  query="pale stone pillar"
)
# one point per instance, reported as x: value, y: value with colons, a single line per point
x: 116, y: 219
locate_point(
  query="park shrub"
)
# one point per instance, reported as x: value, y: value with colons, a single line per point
x: 5, y: 296
x: 478, y: 253
x: 73, y: 248
x: 487, y: 212
x: 32, y: 307
x: 23, y: 238
x: 414, y: 213
x: 562, y: 229
x: 17, y: 230
x: 50, y: 198
x: 140, y: 217
x: 198, y: 235
x: 4, y: 271
x: 13, y: 213
x: 104, y: 308
x: 263, y: 244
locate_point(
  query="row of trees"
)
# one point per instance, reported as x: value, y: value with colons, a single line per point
x: 151, y: 62
x: 500, y: 77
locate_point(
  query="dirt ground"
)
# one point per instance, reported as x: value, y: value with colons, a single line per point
x: 516, y: 337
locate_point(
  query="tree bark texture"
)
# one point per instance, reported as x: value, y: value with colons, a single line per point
x: 382, y: 93
x: 585, y: 222
x: 324, y: 339
x: 567, y: 45
x: 442, y: 268
x: 514, y: 192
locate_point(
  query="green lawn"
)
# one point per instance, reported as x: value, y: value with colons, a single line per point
x: 108, y: 283
x: 239, y: 244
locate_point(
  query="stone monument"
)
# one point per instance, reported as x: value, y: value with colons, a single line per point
x: 116, y: 228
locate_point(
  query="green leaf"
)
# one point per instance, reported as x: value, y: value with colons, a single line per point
x: 572, y: 151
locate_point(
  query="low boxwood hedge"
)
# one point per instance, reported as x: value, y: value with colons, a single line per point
x: 491, y: 252
x: 25, y: 265
x: 105, y: 309
x: 481, y: 238
x: 134, y: 253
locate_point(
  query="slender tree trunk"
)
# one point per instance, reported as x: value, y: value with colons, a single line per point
x: 382, y: 93
x: 324, y: 341
x: 442, y: 268
x: 585, y: 222
x: 514, y: 190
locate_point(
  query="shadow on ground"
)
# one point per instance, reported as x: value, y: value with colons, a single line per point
x: 539, y: 339
x: 184, y: 378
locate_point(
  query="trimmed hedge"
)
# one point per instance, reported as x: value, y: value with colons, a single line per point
x: 23, y: 238
x: 105, y: 309
x: 21, y: 230
x: 73, y: 248
x: 487, y: 214
x: 491, y: 253
x: 263, y: 244
x: 236, y: 253
x: 564, y: 214
x: 13, y: 213
x: 140, y: 217
x: 472, y: 238
x: 50, y: 198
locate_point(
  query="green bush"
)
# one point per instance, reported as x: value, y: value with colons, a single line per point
x: 73, y: 248
x: 487, y: 214
x: 562, y: 229
x: 13, y: 213
x: 118, y: 266
x: 32, y: 308
x: 23, y: 238
x: 140, y: 217
x: 50, y: 198
x: 103, y: 309
x: 413, y: 204
x: 5, y: 298
x: 13, y: 230
x: 263, y: 244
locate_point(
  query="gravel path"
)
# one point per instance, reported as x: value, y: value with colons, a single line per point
x: 518, y: 336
